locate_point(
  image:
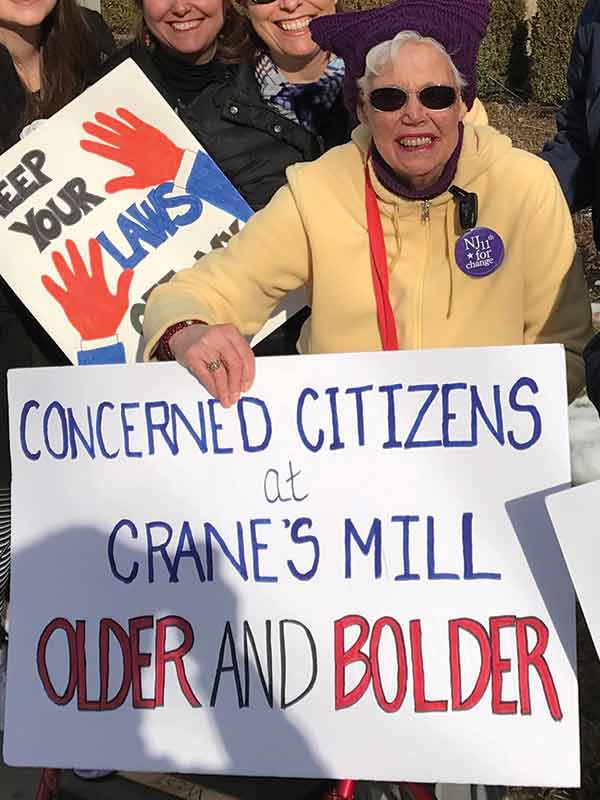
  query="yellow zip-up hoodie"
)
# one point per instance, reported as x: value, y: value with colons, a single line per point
x: 314, y: 233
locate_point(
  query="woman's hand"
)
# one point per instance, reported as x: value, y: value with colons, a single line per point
x: 219, y: 356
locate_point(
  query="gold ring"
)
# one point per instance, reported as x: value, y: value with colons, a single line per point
x: 213, y: 366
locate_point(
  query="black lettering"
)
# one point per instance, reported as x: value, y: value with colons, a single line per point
x: 86, y: 201
x: 34, y: 160
x: 30, y: 228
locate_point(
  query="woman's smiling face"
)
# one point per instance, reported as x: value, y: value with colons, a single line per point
x: 283, y: 27
x: 190, y: 27
x: 415, y: 141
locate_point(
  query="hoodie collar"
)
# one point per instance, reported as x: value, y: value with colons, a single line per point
x: 390, y: 179
x: 481, y: 147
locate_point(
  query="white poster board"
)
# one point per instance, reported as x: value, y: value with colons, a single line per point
x: 576, y: 517
x: 118, y: 175
x: 236, y: 561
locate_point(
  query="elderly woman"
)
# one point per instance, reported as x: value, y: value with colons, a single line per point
x: 422, y: 232
x: 253, y: 87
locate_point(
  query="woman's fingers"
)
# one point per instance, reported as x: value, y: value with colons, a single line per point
x: 246, y: 358
x: 233, y: 364
x: 209, y: 366
x: 224, y: 391
x: 224, y: 364
x: 218, y: 356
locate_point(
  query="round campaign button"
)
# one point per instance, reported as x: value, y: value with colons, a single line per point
x: 479, y: 252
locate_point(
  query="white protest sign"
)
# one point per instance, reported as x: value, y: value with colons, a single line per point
x: 118, y: 175
x: 326, y: 580
x: 575, y: 516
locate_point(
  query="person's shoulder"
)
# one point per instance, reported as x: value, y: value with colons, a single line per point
x: 504, y: 173
x: 337, y: 175
x: 590, y: 13
x: 337, y: 124
x: 94, y: 19
x: 496, y: 152
x: 344, y: 157
x: 526, y: 167
x: 101, y: 31
x: 129, y: 50
x: 7, y: 67
x: 243, y: 80
x: 586, y: 29
x: 140, y: 55
x: 529, y: 180
x: 12, y: 100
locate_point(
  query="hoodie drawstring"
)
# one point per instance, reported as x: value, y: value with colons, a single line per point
x: 396, y: 219
x: 450, y: 246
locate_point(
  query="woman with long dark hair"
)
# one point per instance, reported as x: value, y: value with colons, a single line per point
x: 49, y: 50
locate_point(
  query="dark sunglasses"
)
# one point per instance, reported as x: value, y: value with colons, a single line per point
x: 392, y: 98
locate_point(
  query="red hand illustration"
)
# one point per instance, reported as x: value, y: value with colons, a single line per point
x: 152, y: 156
x: 86, y: 299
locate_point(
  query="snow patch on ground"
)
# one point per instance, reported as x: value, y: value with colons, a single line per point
x: 584, y: 438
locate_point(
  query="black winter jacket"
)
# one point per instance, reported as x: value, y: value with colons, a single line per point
x: 574, y: 153
x: 23, y: 342
x: 591, y: 358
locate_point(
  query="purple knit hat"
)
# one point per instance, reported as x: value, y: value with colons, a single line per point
x: 459, y: 25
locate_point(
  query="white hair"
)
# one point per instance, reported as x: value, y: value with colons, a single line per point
x: 381, y: 57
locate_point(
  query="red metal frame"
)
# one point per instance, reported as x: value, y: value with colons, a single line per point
x: 344, y: 790
x: 48, y: 786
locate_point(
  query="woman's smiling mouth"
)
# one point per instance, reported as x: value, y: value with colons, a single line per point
x: 186, y: 25
x: 416, y: 143
x: 299, y: 25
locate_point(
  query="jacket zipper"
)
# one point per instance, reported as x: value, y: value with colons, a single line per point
x: 425, y: 211
x: 425, y: 220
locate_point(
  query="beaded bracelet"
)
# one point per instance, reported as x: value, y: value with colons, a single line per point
x: 162, y: 351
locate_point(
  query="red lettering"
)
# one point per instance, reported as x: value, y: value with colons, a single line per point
x: 133, y: 661
x: 535, y: 658
x: 176, y: 656
x: 83, y: 704
x: 401, y: 673
x: 500, y: 665
x: 421, y: 703
x: 108, y: 626
x: 480, y: 634
x: 58, y: 624
x: 139, y: 660
x: 345, y: 657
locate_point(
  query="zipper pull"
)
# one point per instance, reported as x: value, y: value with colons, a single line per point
x: 425, y: 212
